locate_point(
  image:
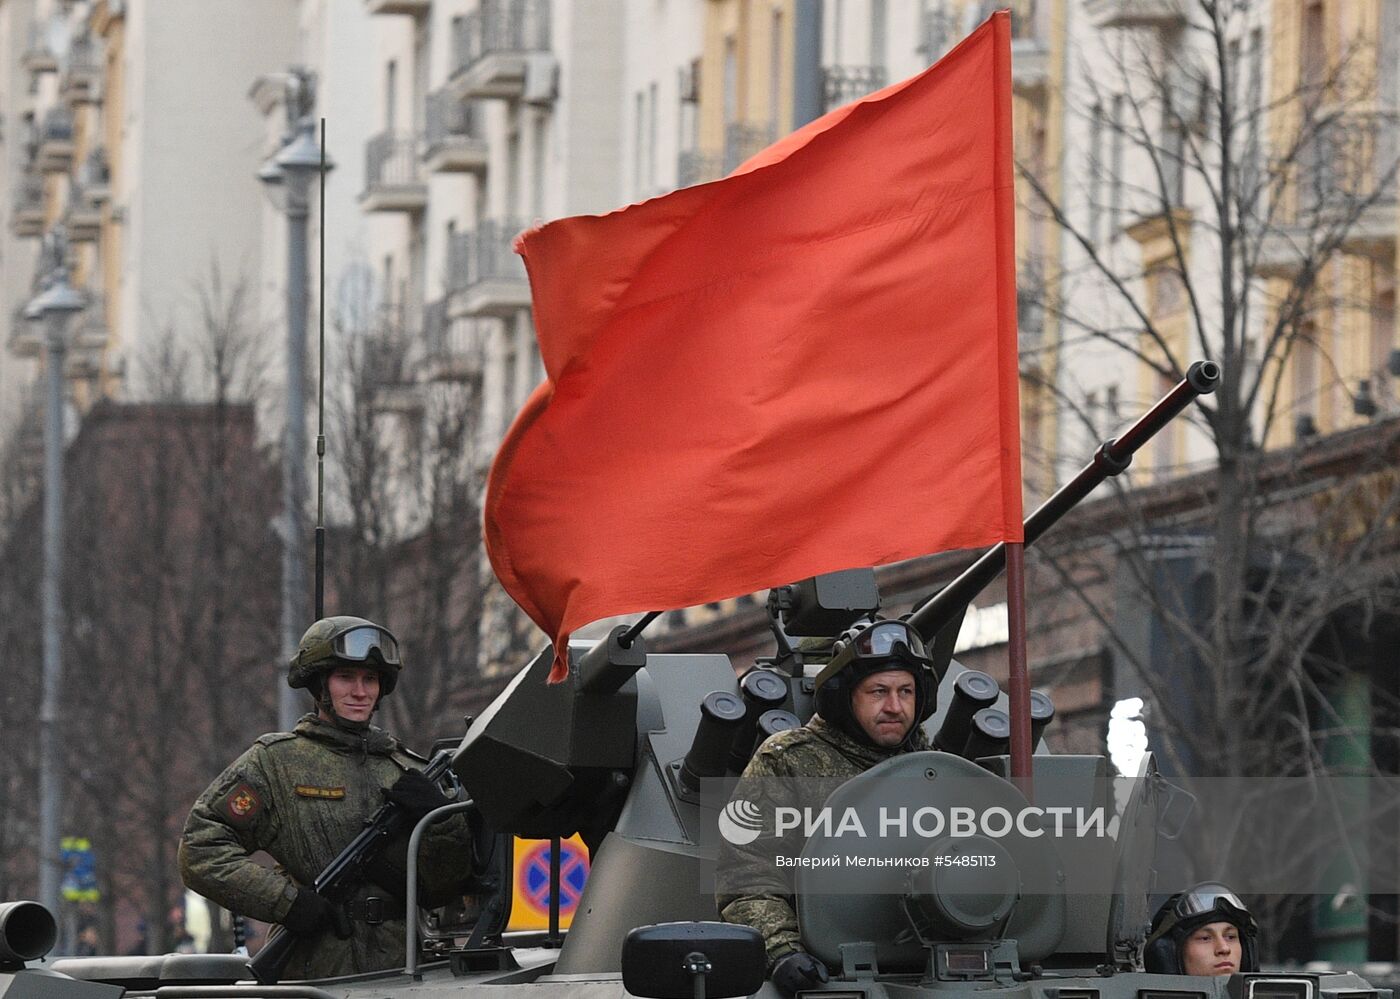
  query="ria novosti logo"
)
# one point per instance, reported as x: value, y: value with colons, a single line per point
x: 740, y: 822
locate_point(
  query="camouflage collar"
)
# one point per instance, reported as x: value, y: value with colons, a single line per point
x: 859, y: 752
x: 371, y: 740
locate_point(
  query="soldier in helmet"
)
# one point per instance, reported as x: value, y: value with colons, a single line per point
x: 1205, y: 930
x: 303, y: 795
x: 871, y: 699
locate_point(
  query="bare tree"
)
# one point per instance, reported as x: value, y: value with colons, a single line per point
x: 407, y: 468
x: 172, y: 596
x: 1227, y: 213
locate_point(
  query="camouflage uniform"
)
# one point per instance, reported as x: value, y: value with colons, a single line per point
x: 302, y: 796
x: 797, y: 768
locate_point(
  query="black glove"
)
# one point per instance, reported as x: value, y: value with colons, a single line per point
x: 416, y: 795
x: 799, y: 970
x: 311, y: 913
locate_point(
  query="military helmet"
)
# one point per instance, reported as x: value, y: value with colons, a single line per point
x: 866, y: 649
x: 1187, y: 911
x: 345, y: 641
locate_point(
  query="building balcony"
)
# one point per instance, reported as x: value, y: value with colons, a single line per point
x: 38, y: 57
x: 91, y: 331
x: 453, y: 348
x: 95, y: 176
x: 83, y: 218
x: 413, y: 8
x: 82, y: 365
x: 26, y: 339
x: 452, y: 138
x: 81, y: 79
x: 696, y: 167
x: 55, y: 153
x: 383, y: 365
x: 742, y: 140
x: 1158, y: 14
x: 843, y: 84
x: 486, y: 276
x: 28, y: 216
x: 1346, y: 185
x: 393, y: 180
x: 501, y: 50
x: 1030, y: 67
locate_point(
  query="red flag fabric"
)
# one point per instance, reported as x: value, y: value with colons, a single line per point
x: 806, y: 366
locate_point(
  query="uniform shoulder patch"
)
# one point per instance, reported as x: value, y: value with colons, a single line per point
x: 325, y: 793
x: 241, y: 804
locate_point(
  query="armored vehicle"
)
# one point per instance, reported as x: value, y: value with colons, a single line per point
x: 637, y: 752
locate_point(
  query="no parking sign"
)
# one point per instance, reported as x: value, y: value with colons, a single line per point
x: 530, y: 908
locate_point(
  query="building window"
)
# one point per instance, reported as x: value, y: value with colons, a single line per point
x: 775, y: 67
x: 878, y: 32
x: 1095, y: 173
x: 1116, y: 126
x: 651, y: 139
x: 731, y: 81
x: 391, y: 73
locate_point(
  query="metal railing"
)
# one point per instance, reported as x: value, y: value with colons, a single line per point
x: 94, y: 171
x: 92, y: 324
x: 1350, y: 157
x: 386, y: 344
x: 29, y: 193
x: 449, y: 119
x: 485, y: 254
x: 447, y: 338
x: 843, y: 84
x: 1023, y: 19
x: 82, y: 55
x: 743, y: 139
x: 500, y: 26
x: 58, y: 125
x: 37, y: 47
x: 696, y: 167
x: 391, y: 160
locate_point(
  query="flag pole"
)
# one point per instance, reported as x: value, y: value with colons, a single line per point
x: 1019, y: 694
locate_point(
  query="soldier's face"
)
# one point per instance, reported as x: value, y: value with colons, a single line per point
x: 1212, y: 949
x: 883, y: 706
x: 354, y: 691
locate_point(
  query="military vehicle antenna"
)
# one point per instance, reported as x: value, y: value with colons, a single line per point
x: 321, y: 399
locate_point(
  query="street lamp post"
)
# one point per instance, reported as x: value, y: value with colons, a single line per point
x: 293, y: 169
x: 54, y: 307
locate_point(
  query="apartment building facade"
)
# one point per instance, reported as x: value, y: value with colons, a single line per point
x: 132, y: 144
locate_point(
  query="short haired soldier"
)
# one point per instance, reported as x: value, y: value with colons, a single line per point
x: 1205, y: 930
x: 303, y: 795
x: 871, y: 699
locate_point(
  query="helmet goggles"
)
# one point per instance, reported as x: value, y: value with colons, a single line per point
x: 875, y: 645
x: 353, y: 645
x: 887, y: 639
x: 356, y: 645
x: 1197, y: 907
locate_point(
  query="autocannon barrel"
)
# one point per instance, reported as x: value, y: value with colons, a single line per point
x: 1112, y: 458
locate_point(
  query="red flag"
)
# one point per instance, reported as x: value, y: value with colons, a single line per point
x: 809, y: 365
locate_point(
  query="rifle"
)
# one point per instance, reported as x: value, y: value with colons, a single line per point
x: 345, y: 873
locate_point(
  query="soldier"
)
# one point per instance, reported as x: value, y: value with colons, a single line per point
x: 1205, y: 930
x: 870, y: 698
x: 302, y: 796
